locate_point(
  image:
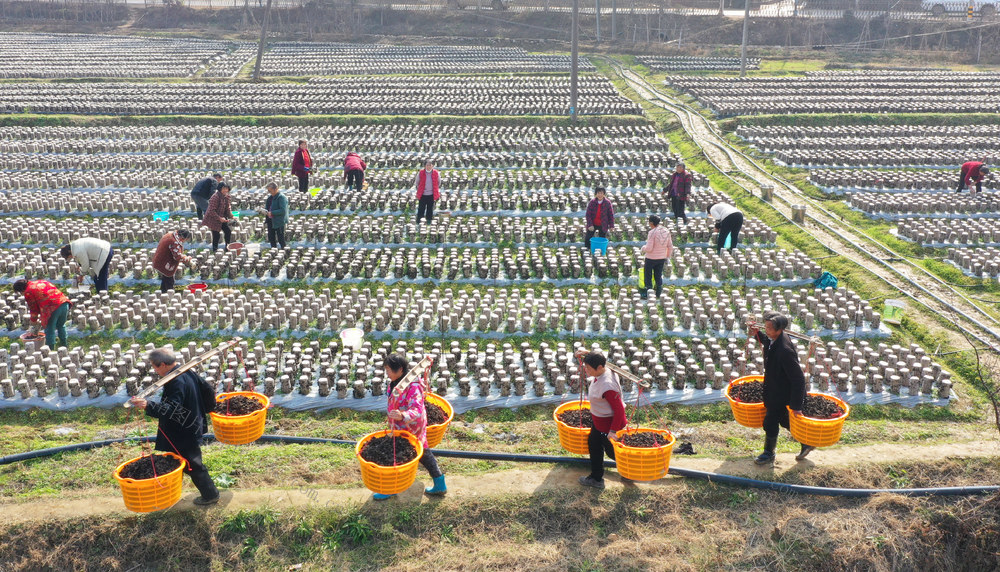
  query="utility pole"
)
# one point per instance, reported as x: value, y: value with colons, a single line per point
x: 614, y: 14
x: 574, y: 60
x: 263, y: 37
x: 598, y: 11
x: 746, y: 31
x: 888, y: 24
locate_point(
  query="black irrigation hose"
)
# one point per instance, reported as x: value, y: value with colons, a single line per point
x: 18, y: 457
x: 519, y: 458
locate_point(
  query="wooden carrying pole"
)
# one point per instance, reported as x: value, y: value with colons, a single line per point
x: 814, y: 341
x: 189, y: 365
x: 629, y: 376
x: 414, y: 374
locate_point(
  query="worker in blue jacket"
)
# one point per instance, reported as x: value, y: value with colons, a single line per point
x: 203, y: 191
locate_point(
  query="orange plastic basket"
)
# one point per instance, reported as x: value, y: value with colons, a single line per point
x: 573, y: 439
x: 643, y: 463
x: 388, y: 480
x: 435, y: 433
x: 150, y: 495
x: 240, y: 429
x: 746, y: 414
x: 818, y: 432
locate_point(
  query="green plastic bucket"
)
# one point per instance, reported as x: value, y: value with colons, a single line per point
x: 892, y: 312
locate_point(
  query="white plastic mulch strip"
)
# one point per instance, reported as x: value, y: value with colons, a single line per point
x: 624, y: 281
x: 862, y: 332
x: 965, y: 271
x: 433, y: 245
x: 943, y: 216
x: 313, y: 401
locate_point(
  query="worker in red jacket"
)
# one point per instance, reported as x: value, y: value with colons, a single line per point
x: 169, y: 255
x: 302, y: 165
x: 354, y: 171
x: 600, y: 216
x: 428, y: 190
x: 972, y: 171
x: 48, y: 309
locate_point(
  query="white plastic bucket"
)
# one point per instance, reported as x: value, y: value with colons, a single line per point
x: 352, y: 338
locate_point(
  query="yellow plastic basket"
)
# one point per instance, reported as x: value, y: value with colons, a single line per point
x: 746, y: 414
x: 389, y: 480
x: 435, y: 433
x: 818, y: 432
x: 240, y: 429
x: 573, y: 439
x: 150, y: 495
x: 643, y: 463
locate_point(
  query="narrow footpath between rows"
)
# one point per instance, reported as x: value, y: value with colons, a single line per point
x: 522, y: 481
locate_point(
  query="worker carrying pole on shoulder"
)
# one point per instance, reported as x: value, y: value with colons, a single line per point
x: 784, y: 382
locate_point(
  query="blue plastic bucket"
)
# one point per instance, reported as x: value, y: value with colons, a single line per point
x: 598, y: 243
x: 161, y: 215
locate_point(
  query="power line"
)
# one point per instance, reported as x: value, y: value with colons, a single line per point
x: 886, y: 40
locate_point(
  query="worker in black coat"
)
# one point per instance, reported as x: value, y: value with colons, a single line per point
x: 784, y: 383
x: 183, y: 421
x: 203, y: 191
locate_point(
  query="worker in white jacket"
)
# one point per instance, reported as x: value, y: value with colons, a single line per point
x: 728, y: 222
x: 93, y: 257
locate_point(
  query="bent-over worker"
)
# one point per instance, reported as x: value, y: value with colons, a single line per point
x: 93, y: 258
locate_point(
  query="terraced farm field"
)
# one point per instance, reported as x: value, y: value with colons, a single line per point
x: 498, y: 291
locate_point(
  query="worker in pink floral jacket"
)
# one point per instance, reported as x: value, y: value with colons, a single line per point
x: 407, y: 413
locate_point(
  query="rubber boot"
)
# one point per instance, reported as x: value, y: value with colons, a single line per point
x: 380, y: 496
x: 806, y: 449
x: 767, y: 457
x: 439, y: 487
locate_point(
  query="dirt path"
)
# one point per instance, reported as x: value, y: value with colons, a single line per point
x: 528, y: 480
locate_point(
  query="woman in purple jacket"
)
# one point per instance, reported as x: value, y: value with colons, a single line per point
x: 678, y: 188
x: 600, y: 216
x: 219, y: 215
x: 302, y: 165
